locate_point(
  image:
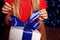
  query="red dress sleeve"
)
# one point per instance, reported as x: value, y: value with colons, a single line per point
x: 8, y: 1
x: 43, y: 4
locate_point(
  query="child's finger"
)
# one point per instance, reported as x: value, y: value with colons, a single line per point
x: 7, y: 4
x: 5, y: 12
x: 4, y: 9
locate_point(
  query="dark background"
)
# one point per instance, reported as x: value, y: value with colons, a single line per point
x: 52, y: 24
x: 53, y: 13
x: 4, y: 29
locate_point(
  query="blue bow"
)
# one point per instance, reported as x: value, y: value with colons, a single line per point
x: 30, y: 24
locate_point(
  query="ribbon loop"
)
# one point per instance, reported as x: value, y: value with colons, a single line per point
x: 30, y: 23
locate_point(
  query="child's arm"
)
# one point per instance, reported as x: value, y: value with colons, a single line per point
x: 6, y: 9
x: 43, y: 16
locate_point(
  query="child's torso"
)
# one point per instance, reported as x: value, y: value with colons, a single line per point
x: 24, y: 9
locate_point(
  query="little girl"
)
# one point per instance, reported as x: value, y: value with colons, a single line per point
x: 24, y: 9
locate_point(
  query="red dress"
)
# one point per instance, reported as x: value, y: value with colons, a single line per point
x: 25, y: 8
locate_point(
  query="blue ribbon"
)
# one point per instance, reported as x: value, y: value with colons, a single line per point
x: 28, y: 26
x: 30, y: 23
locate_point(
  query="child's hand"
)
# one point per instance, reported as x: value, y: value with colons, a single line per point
x: 43, y: 15
x: 7, y: 9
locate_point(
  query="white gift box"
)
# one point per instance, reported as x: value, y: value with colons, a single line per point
x: 16, y: 33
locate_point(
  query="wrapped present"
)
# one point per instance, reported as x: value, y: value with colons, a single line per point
x: 25, y: 31
x: 17, y: 33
